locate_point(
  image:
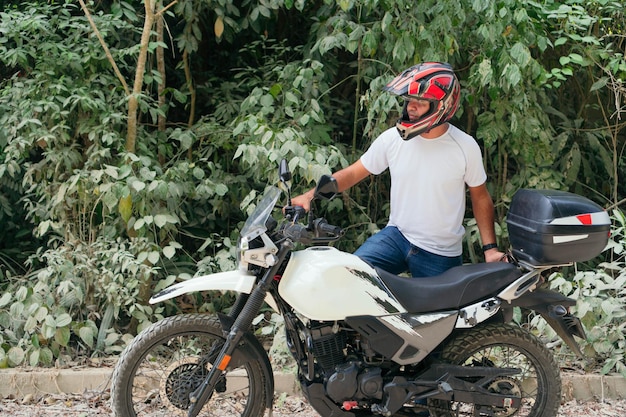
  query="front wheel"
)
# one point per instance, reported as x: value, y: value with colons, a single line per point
x: 506, y: 346
x: 167, y: 361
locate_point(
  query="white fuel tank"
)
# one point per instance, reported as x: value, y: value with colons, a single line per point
x: 323, y: 283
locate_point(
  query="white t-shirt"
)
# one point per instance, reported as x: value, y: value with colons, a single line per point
x: 428, y: 178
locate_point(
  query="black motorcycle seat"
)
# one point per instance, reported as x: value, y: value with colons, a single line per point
x: 457, y: 287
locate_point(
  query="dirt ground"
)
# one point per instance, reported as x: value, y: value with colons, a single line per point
x: 95, y: 404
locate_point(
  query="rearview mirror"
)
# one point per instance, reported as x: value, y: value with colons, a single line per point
x: 326, y: 188
x: 283, y: 171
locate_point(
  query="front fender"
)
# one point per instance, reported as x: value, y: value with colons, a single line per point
x: 223, y: 281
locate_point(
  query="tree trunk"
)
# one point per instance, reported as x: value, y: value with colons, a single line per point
x: 160, y: 57
x: 133, y: 102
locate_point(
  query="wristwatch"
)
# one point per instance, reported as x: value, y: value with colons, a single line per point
x: 489, y: 246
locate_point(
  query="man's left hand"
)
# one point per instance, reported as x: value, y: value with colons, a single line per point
x: 494, y: 255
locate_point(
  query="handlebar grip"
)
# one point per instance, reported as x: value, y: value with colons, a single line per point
x: 296, y: 232
x: 325, y: 227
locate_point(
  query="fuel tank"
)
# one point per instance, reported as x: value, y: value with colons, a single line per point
x: 323, y: 283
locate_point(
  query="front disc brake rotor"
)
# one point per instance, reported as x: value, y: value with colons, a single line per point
x: 180, y: 379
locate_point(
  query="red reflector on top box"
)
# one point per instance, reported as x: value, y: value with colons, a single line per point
x: 548, y: 227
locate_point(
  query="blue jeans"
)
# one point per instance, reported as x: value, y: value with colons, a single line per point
x: 389, y: 250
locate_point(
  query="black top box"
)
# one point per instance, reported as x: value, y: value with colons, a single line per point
x: 548, y: 227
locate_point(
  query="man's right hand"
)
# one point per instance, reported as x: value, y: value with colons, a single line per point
x: 303, y: 200
x: 294, y: 213
x: 345, y: 178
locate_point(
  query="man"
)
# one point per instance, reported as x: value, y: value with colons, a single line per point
x: 430, y: 162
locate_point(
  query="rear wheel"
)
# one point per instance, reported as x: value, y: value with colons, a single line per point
x: 169, y: 360
x: 538, y: 383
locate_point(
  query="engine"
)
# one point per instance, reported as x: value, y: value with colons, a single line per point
x: 328, y: 345
x: 344, y: 361
x: 352, y: 381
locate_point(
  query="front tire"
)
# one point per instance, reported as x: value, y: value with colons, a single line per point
x: 168, y: 360
x: 505, y: 345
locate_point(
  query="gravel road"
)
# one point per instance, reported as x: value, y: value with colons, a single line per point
x: 95, y: 404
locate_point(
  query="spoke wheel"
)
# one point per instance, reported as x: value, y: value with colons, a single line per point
x: 538, y: 383
x: 164, y: 364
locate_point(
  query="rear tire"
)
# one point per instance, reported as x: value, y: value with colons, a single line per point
x: 505, y: 345
x: 162, y: 366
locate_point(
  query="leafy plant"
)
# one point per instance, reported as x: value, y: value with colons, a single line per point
x: 58, y: 308
x: 270, y: 327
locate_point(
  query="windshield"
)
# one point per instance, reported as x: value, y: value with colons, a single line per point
x: 255, y: 225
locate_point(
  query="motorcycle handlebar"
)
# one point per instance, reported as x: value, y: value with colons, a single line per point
x: 322, y: 232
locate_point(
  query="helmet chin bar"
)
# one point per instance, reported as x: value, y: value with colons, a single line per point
x: 411, y: 135
x: 406, y: 132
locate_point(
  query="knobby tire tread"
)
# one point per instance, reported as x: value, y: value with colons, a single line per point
x: 121, y: 399
x: 506, y: 334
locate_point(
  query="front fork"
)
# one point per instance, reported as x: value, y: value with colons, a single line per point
x: 242, y: 323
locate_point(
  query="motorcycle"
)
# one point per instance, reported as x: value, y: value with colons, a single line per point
x: 366, y: 341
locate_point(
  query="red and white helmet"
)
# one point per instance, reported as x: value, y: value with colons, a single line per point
x: 431, y: 81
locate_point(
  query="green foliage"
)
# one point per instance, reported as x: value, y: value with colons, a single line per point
x: 285, y: 120
x: 60, y: 107
x: 271, y: 327
x: 590, y: 52
x: 60, y: 303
